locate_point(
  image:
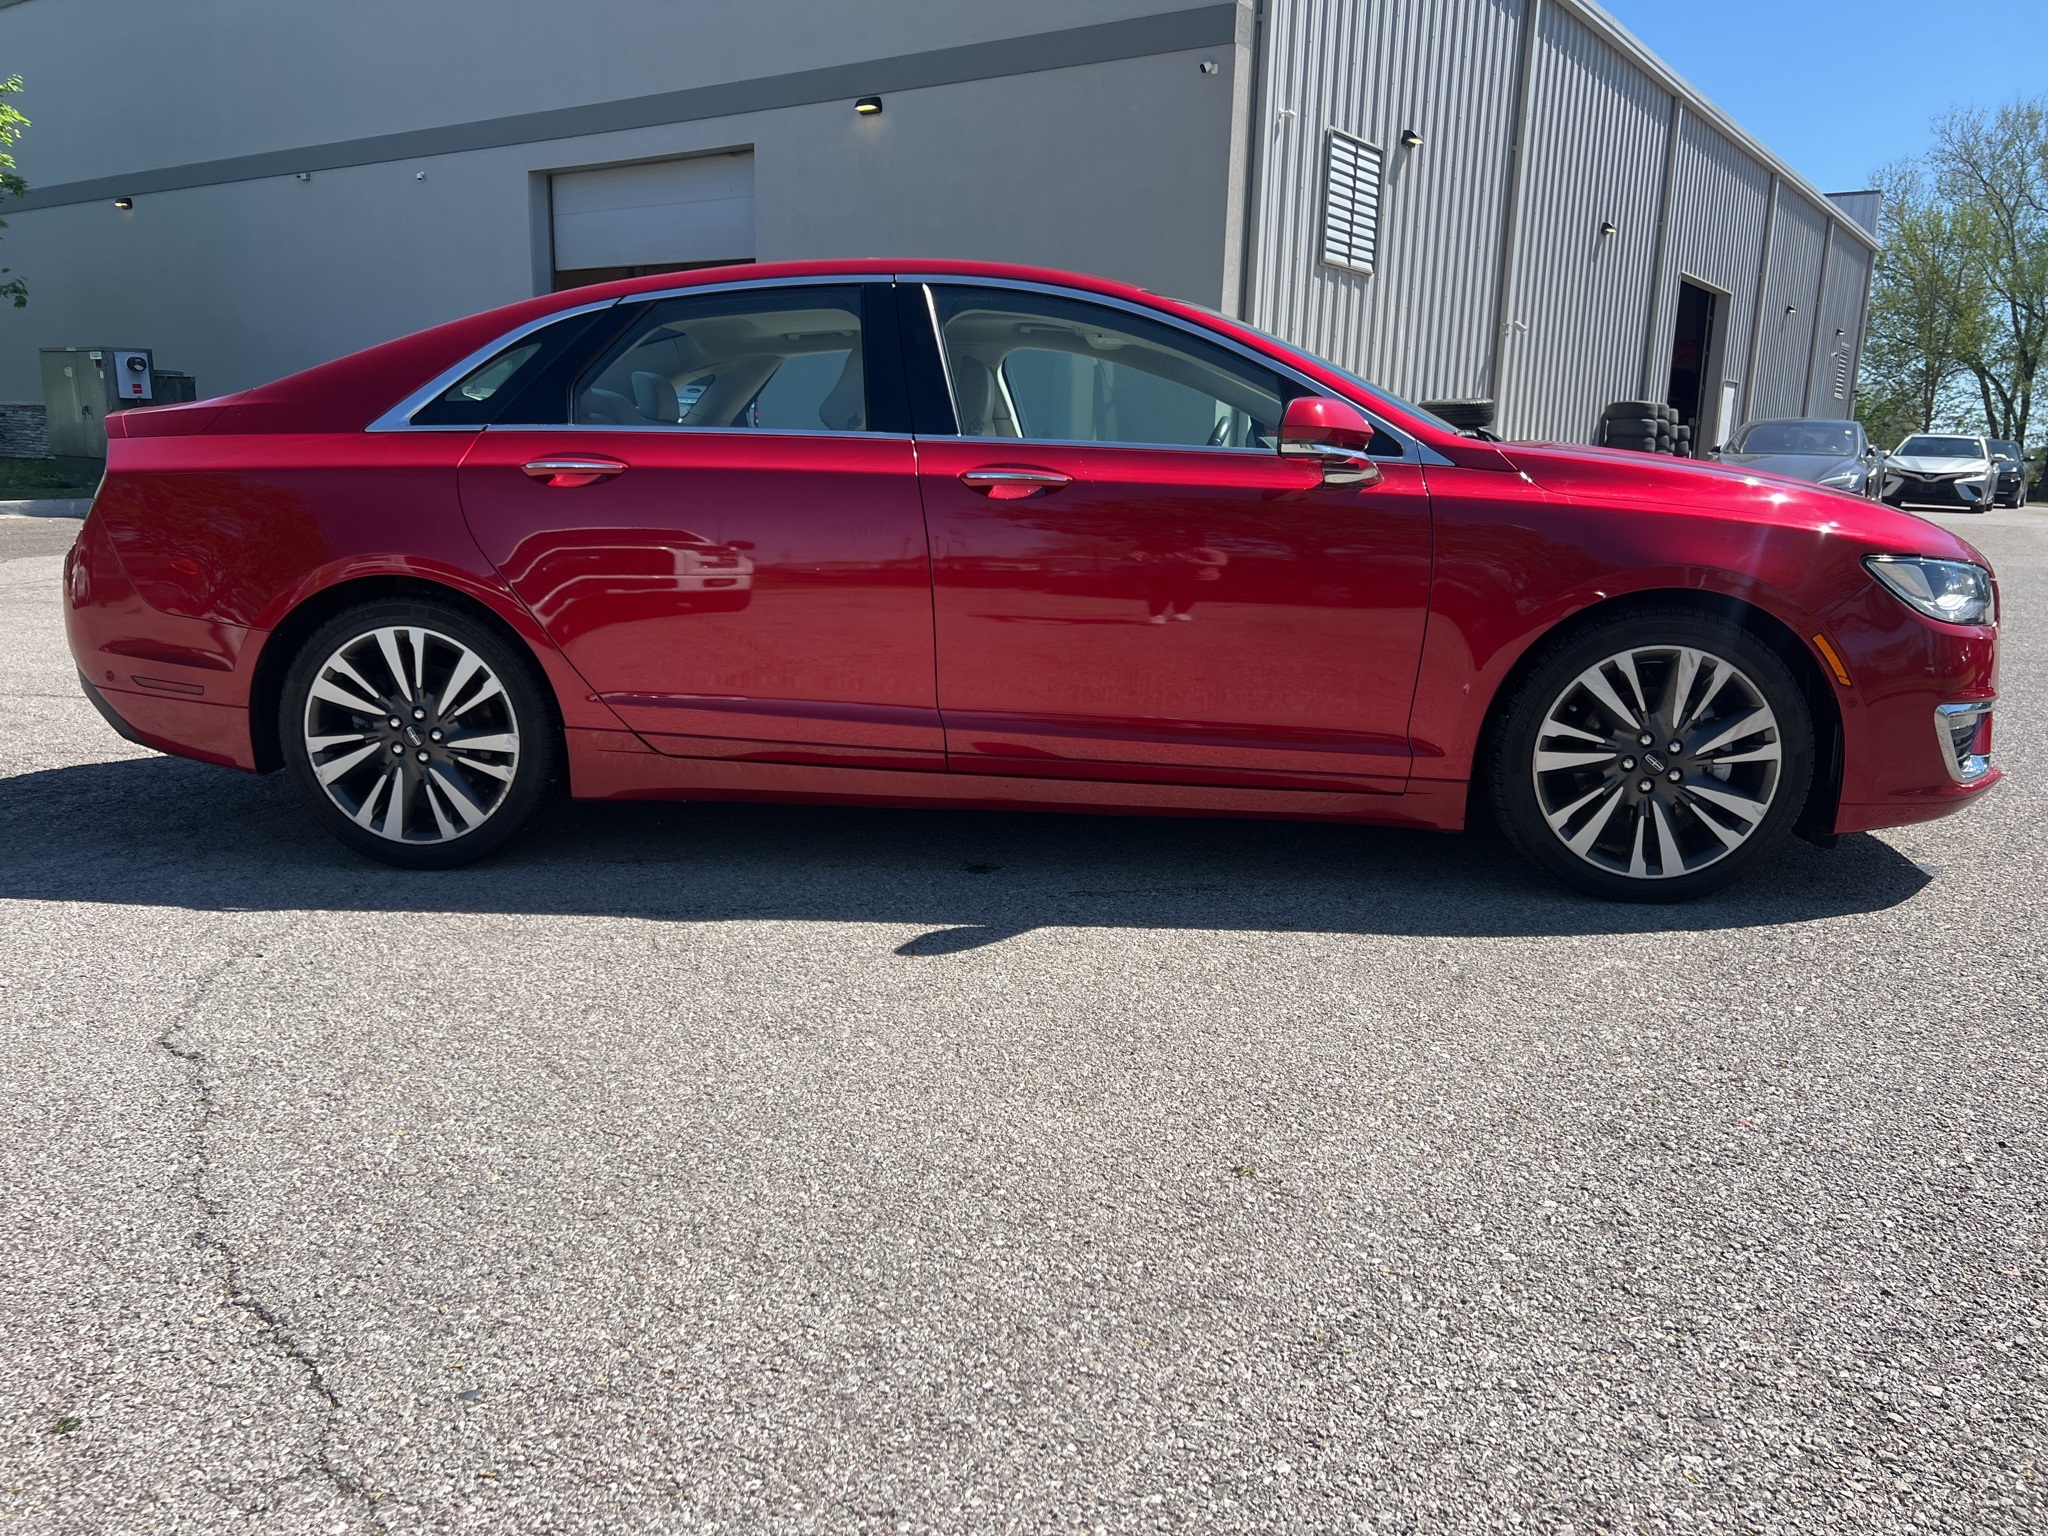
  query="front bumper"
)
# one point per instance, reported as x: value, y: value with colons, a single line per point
x: 1943, y: 493
x: 1912, y: 679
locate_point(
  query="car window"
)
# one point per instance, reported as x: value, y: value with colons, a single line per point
x: 776, y: 360
x: 1941, y: 448
x: 1031, y: 365
x: 1837, y: 439
x: 486, y: 392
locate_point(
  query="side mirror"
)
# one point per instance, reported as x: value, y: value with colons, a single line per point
x: 1336, y: 433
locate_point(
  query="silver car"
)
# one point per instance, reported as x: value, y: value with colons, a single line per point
x: 1942, y: 472
x: 1832, y: 453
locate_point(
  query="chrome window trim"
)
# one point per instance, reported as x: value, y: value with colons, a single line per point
x: 674, y: 428
x: 1414, y: 450
x: 399, y: 417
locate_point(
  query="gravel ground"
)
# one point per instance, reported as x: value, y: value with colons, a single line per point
x: 776, y: 1170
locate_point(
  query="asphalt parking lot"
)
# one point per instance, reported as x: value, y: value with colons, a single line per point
x: 765, y: 1169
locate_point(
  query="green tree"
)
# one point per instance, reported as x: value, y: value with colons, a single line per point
x: 1926, y: 312
x: 11, y: 185
x: 1958, y: 332
x: 1992, y: 171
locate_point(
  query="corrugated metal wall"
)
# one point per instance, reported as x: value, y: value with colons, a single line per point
x: 1841, y: 316
x: 1576, y: 326
x: 1597, y: 130
x: 1720, y: 196
x: 1421, y: 323
x: 1796, y: 242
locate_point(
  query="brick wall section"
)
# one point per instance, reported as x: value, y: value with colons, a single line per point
x: 21, y: 432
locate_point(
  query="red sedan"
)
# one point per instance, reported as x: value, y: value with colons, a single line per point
x: 949, y: 533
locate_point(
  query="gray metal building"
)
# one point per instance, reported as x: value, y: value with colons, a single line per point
x: 1499, y: 199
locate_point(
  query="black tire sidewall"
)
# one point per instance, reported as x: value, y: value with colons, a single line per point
x: 523, y: 688
x: 1513, y: 792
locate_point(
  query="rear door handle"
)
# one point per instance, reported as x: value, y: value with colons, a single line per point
x: 566, y: 471
x: 1013, y: 482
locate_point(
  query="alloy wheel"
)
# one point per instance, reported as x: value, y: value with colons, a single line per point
x: 1657, y: 762
x: 411, y: 734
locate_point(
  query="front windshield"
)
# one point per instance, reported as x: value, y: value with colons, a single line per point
x: 1834, y: 439
x: 1941, y: 448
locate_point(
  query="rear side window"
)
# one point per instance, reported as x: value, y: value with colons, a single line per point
x: 774, y: 360
x: 484, y: 394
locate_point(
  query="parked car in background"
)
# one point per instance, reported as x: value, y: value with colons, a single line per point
x: 959, y: 534
x: 1830, y: 453
x: 1941, y: 472
x: 2011, y: 463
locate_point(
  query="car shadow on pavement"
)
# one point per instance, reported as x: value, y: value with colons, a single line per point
x: 160, y: 831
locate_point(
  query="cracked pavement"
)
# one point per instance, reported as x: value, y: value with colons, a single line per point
x: 781, y: 1169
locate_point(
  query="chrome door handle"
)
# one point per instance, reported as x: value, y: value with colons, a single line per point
x: 566, y: 471
x: 1013, y: 482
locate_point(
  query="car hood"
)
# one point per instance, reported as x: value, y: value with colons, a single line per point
x: 1658, y: 483
x: 1921, y: 464
x: 1794, y: 466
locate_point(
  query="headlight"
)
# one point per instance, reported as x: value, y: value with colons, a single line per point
x: 1841, y: 479
x: 1952, y: 591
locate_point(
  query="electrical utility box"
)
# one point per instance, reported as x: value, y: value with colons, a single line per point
x: 82, y: 386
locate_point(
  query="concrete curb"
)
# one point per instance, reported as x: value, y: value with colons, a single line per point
x: 64, y: 507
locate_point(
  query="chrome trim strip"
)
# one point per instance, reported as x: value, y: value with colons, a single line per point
x: 1973, y: 766
x: 678, y: 430
x: 398, y: 418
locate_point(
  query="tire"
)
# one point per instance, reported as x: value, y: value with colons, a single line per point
x: 1653, y: 409
x: 1579, y: 815
x: 1633, y: 444
x: 433, y: 790
x: 1630, y: 424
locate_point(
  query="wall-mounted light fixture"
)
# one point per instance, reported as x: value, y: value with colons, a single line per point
x: 124, y: 203
x: 1606, y: 228
x: 1410, y: 139
x: 1791, y: 309
x: 868, y: 106
x: 305, y: 175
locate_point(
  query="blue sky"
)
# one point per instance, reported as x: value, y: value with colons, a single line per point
x: 1838, y: 88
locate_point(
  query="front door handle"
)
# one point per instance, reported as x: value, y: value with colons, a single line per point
x: 1013, y: 482
x: 566, y: 471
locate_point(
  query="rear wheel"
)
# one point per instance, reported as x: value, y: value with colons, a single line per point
x: 1654, y: 757
x: 416, y: 734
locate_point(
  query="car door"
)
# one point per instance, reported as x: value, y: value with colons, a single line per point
x: 1129, y: 580
x: 720, y: 526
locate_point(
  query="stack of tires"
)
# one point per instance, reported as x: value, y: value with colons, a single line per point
x: 1646, y: 426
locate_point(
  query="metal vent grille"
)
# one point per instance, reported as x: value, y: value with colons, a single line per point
x: 1841, y: 375
x: 1351, y: 202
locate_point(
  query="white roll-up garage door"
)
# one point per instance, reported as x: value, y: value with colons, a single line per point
x: 666, y: 213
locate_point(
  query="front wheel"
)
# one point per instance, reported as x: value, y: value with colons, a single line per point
x: 416, y: 734
x: 1654, y: 757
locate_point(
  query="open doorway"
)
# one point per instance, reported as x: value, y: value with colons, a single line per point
x: 1695, y: 391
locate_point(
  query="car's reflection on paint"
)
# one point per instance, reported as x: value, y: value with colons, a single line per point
x: 677, y: 574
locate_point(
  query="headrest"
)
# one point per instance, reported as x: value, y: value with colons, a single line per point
x: 655, y: 398
x: 607, y: 408
x: 845, y: 409
x: 976, y: 388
